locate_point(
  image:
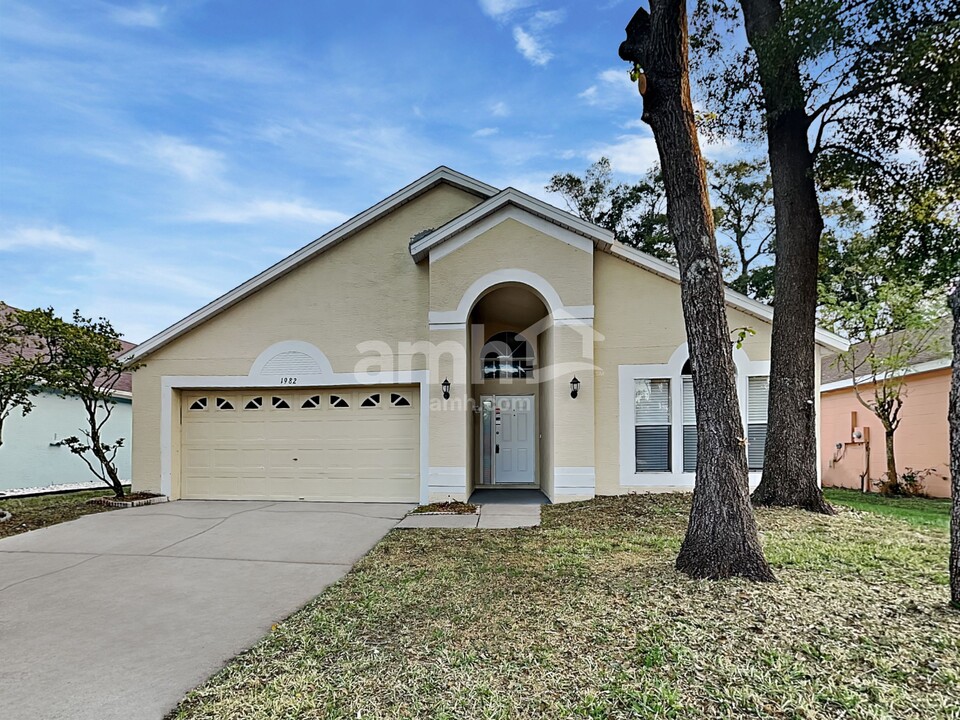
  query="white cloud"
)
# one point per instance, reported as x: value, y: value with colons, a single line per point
x: 529, y: 39
x: 543, y: 19
x: 530, y: 47
x: 191, y: 162
x: 147, y: 16
x: 267, y: 210
x: 612, y: 88
x: 500, y: 9
x: 486, y: 132
x: 630, y: 154
x: 45, y: 238
x: 500, y: 109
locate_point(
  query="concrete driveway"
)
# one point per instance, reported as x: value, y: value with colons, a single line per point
x: 117, y: 615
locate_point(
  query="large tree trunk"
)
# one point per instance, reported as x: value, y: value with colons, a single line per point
x: 721, y: 538
x: 954, y: 418
x: 790, y: 460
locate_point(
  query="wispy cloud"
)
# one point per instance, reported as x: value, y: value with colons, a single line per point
x: 501, y: 9
x: 530, y: 47
x: 191, y: 162
x: 611, y: 88
x: 486, y: 132
x: 145, y: 16
x: 630, y: 154
x: 500, y: 109
x: 267, y: 210
x: 42, y: 238
x: 529, y: 36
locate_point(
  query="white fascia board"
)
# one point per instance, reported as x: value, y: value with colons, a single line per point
x: 923, y: 367
x: 335, y: 236
x: 741, y: 302
x: 601, y: 237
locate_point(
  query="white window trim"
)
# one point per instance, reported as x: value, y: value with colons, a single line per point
x: 171, y: 383
x: 671, y: 370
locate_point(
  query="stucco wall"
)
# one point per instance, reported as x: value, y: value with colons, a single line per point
x: 640, y: 321
x: 921, y: 441
x: 366, y: 289
x: 28, y: 460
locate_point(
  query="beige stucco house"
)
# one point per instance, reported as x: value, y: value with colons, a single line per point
x: 453, y: 336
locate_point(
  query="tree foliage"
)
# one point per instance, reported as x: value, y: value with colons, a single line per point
x: 22, y: 363
x: 636, y: 214
x: 881, y: 84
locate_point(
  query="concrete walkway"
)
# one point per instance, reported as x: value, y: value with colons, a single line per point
x: 117, y: 615
x: 498, y: 510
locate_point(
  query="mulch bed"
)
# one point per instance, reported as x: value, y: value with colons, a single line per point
x: 453, y: 507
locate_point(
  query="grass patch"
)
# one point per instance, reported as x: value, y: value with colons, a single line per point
x: 454, y: 507
x: 585, y: 617
x: 917, y: 511
x: 32, y: 513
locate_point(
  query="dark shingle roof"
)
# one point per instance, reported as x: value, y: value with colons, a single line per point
x: 937, y: 349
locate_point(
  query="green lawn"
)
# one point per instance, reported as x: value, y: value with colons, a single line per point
x: 585, y: 617
x: 36, y: 512
x: 918, y: 511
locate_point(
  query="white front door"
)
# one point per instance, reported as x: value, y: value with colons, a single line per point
x: 515, y: 440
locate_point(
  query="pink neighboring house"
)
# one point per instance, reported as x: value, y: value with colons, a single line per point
x: 852, y: 438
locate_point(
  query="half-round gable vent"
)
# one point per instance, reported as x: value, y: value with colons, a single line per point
x: 292, y: 362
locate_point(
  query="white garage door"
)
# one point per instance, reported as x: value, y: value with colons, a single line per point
x: 339, y: 444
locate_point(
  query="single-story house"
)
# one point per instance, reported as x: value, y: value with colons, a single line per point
x: 30, y: 456
x: 853, y: 451
x: 453, y: 336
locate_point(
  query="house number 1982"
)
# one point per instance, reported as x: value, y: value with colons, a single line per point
x: 288, y: 381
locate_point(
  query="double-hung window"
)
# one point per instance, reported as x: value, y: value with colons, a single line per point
x: 689, y: 426
x: 758, y: 390
x: 652, y: 424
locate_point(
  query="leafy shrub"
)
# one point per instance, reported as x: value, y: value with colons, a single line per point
x: 910, y: 483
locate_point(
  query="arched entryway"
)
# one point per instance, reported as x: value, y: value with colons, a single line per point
x: 510, y: 340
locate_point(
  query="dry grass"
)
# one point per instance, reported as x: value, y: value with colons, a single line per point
x: 32, y: 513
x: 585, y: 617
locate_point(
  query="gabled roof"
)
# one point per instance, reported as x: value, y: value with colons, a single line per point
x: 421, y: 246
x: 351, y: 227
x: 493, y: 200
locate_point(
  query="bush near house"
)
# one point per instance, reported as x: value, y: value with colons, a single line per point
x: 585, y: 617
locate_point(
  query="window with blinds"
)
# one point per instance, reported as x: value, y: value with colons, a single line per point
x: 689, y: 427
x: 652, y: 424
x: 758, y: 390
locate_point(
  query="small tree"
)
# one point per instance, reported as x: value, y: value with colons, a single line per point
x: 85, y: 364
x: 23, y: 360
x: 895, y: 327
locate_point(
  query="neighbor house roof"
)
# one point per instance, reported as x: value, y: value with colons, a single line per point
x: 420, y: 246
x: 124, y: 385
x: 936, y: 355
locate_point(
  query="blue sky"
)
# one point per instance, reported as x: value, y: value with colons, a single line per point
x: 155, y: 155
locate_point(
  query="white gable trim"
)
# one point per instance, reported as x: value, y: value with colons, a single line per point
x: 461, y: 315
x: 508, y: 212
x: 597, y: 235
x: 321, y: 244
x: 748, y: 305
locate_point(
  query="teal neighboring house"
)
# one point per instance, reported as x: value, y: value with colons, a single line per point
x: 30, y: 457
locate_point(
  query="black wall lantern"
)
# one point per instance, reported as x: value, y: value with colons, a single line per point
x: 445, y: 386
x: 574, y: 387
